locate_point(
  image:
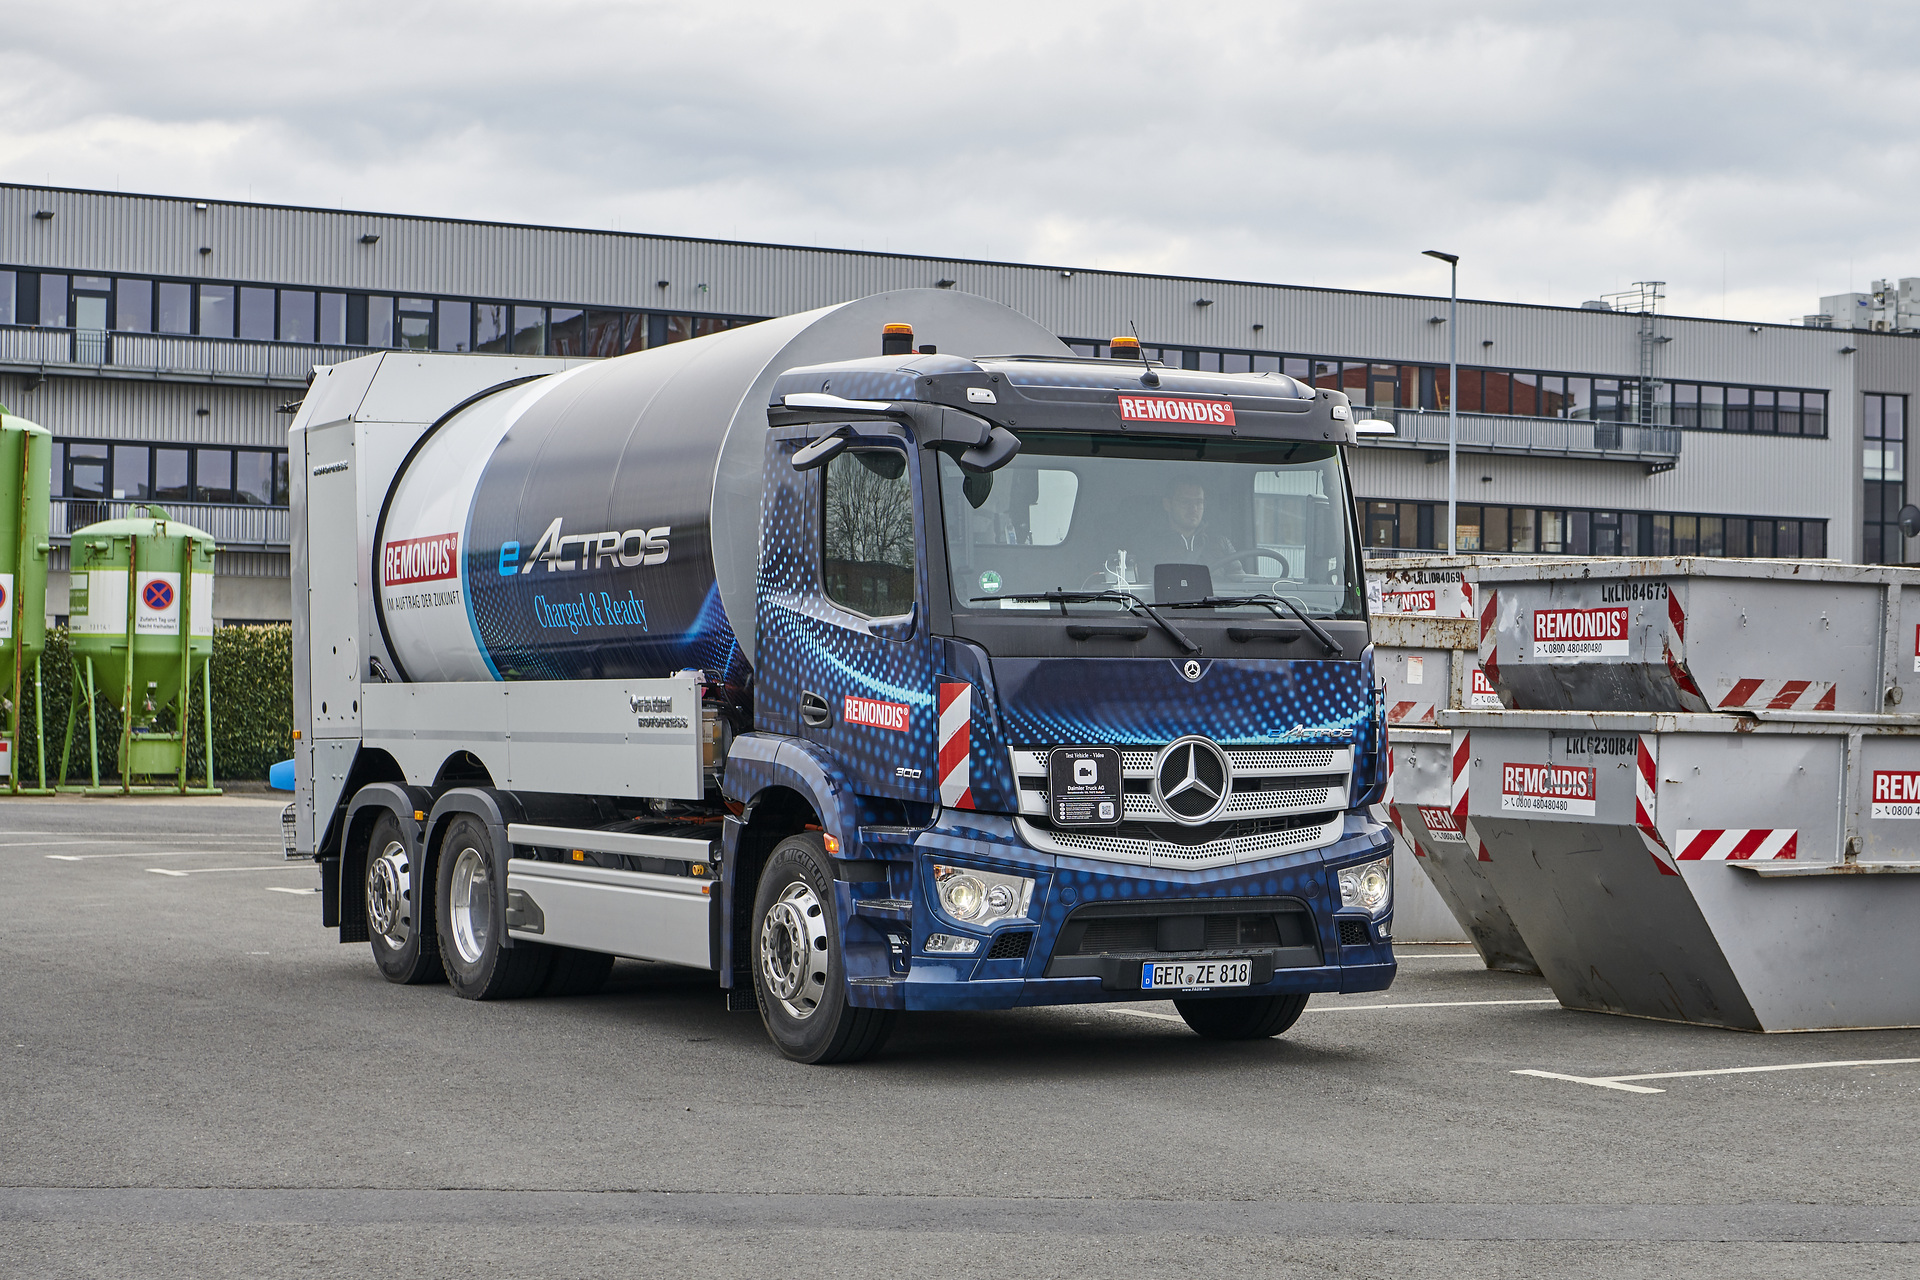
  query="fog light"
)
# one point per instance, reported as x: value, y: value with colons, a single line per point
x: 946, y: 944
x: 981, y: 897
x: 1368, y: 886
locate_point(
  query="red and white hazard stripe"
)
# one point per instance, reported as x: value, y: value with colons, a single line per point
x: 1385, y: 807
x: 1410, y: 713
x: 1673, y: 647
x: 1462, y: 760
x: 1779, y: 695
x: 1490, y: 635
x: 956, y: 744
x: 1645, y: 784
x: 1751, y: 845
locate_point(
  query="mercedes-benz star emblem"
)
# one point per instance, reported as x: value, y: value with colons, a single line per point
x: 1192, y: 780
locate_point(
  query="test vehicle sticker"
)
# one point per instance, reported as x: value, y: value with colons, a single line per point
x: 1442, y: 825
x: 1547, y: 788
x: 877, y: 715
x: 1481, y: 695
x: 1568, y: 635
x: 1896, y: 793
x: 1084, y: 786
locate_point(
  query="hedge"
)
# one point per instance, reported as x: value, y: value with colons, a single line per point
x: 252, y: 709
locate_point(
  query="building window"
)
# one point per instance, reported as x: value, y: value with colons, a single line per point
x: 99, y: 470
x: 1530, y: 530
x: 1883, y: 472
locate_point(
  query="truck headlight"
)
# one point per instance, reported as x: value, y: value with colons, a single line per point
x: 981, y: 897
x: 1368, y: 886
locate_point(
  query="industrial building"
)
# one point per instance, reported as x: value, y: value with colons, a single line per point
x: 164, y: 341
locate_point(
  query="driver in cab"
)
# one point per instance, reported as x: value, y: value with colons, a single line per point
x: 1181, y: 536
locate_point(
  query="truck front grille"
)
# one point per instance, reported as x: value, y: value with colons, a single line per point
x: 1242, y: 841
x: 1268, y: 782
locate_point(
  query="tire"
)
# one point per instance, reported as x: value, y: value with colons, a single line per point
x: 478, y: 967
x: 1241, y: 1017
x: 399, y: 904
x: 573, y: 972
x: 799, y: 970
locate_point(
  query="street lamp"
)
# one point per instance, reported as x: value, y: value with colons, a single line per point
x: 1453, y: 394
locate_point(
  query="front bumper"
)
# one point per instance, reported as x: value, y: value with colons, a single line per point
x: 885, y: 924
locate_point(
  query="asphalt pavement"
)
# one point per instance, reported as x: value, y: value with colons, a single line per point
x: 199, y: 1081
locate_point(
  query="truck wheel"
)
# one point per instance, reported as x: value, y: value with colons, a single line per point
x: 404, y: 945
x: 1241, y: 1017
x: 477, y: 965
x: 574, y: 972
x: 799, y: 974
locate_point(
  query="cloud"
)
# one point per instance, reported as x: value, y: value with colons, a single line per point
x: 1562, y: 152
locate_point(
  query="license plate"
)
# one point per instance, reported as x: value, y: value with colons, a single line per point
x: 1157, y: 975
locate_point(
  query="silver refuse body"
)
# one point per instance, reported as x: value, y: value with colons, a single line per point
x: 1697, y: 634
x: 1760, y: 872
x: 1419, y: 807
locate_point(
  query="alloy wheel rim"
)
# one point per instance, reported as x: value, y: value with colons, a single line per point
x: 793, y: 951
x: 471, y: 905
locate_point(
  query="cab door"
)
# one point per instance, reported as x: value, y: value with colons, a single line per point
x: 862, y: 667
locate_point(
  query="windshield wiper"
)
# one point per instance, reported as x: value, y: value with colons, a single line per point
x: 1132, y: 601
x: 1320, y: 633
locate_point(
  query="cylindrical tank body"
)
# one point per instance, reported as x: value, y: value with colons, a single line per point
x: 604, y: 522
x: 26, y: 472
x: 155, y: 548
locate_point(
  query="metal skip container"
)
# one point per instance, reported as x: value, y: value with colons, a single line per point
x: 1701, y: 803
x: 1695, y: 634
x: 1429, y: 664
x: 1761, y: 873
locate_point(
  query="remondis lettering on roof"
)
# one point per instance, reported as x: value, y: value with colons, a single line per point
x: 1216, y: 413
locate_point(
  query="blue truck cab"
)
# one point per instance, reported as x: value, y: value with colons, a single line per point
x: 1063, y: 672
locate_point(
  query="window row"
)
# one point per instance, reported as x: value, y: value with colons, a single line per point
x: 1530, y: 530
x: 1883, y: 471
x: 1516, y: 393
x: 102, y: 470
x: 260, y: 313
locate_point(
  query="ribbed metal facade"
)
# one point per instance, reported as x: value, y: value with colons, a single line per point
x: 131, y: 409
x: 106, y: 233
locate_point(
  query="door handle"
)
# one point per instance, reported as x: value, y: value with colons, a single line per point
x: 813, y: 708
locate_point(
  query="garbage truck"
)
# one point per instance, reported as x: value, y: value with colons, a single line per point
x: 845, y: 658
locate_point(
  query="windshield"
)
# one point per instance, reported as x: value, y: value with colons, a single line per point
x: 1170, y: 519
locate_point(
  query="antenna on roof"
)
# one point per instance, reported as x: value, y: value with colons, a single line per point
x: 1149, y: 378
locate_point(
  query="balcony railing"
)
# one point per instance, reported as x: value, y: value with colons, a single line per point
x: 169, y: 357
x: 233, y: 527
x: 1559, y: 437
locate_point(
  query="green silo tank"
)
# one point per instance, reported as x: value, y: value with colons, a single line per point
x: 26, y: 472
x: 114, y: 613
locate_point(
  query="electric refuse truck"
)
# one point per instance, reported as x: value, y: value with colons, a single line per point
x: 928, y: 680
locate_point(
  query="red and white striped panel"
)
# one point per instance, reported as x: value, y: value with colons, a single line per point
x: 1410, y: 713
x: 956, y: 744
x: 1674, y: 649
x: 1645, y: 783
x: 1753, y: 845
x: 1779, y: 695
x: 1385, y: 810
x: 1490, y: 636
x: 1462, y: 756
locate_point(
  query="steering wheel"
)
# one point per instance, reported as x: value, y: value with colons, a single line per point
x: 1255, y: 554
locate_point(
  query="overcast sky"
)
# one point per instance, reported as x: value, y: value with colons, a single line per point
x: 1754, y: 156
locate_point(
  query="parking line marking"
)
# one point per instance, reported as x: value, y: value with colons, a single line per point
x: 201, y: 871
x: 276, y: 888
x: 1347, y: 1008
x: 1423, y: 1004
x: 1598, y: 1082
x: 166, y: 853
x: 1619, y: 1082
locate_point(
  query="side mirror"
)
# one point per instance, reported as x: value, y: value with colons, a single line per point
x: 1373, y: 427
x: 1909, y: 518
x: 996, y: 451
x: 901, y: 628
x: 821, y: 451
